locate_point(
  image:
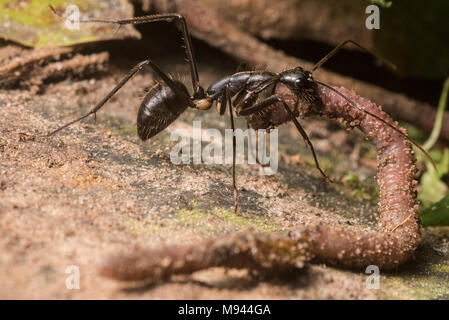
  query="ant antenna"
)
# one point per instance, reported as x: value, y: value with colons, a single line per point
x: 337, y: 48
x: 378, y: 118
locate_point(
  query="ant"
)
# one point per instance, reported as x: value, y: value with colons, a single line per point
x: 240, y: 92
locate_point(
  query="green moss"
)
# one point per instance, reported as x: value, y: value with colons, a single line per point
x: 219, y: 220
x: 413, y: 287
x: 33, y: 13
x: 62, y: 38
x: 370, y: 152
x: 242, y: 222
x: 204, y: 223
x: 326, y: 164
x: 125, y: 130
x: 356, y: 189
x: 140, y: 228
x: 33, y: 24
x: 440, y: 268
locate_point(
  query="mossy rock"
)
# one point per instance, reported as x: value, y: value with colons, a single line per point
x: 31, y: 23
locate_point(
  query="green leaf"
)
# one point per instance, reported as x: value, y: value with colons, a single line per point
x: 439, y: 119
x: 437, y: 215
x: 382, y: 3
x: 432, y: 188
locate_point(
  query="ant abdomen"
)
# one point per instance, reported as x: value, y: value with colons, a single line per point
x: 160, y: 107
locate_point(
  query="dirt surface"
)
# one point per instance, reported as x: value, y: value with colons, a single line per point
x: 95, y: 189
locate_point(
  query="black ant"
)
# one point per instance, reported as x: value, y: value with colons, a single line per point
x: 167, y: 100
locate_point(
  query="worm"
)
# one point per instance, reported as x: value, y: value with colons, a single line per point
x: 398, y: 233
x: 390, y: 245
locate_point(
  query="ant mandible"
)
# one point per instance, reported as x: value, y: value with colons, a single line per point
x: 168, y: 99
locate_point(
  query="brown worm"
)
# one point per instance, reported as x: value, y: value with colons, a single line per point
x: 398, y: 235
x: 392, y: 244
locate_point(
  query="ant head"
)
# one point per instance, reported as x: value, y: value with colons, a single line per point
x: 296, y: 79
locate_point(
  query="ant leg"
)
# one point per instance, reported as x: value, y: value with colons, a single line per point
x: 259, y: 106
x: 251, y: 149
x: 273, y: 99
x: 94, y: 110
x: 122, y: 82
x: 221, y: 104
x: 198, y: 91
x: 234, y: 147
x: 307, y: 140
x: 338, y: 47
x: 248, y: 97
x: 224, y: 101
x: 250, y: 144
